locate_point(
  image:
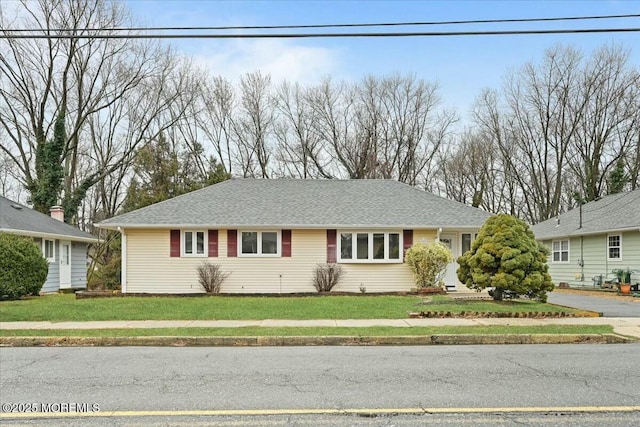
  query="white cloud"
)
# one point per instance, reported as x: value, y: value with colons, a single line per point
x: 282, y: 59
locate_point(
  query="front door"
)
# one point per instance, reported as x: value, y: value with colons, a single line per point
x: 65, y: 265
x: 450, y: 277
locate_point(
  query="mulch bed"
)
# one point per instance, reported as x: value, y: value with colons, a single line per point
x: 117, y: 294
x: 478, y: 314
x: 599, y: 293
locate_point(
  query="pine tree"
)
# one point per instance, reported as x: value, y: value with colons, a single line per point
x: 162, y: 172
x: 506, y: 256
x: 617, y: 178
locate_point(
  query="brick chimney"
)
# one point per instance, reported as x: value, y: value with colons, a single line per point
x: 57, y: 212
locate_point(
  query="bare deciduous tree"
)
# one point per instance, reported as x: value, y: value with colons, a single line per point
x: 333, y: 107
x: 111, y: 95
x: 608, y: 126
x: 216, y: 121
x: 300, y: 153
x: 252, y: 125
x: 562, y: 126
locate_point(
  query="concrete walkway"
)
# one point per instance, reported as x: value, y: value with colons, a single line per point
x: 629, y: 326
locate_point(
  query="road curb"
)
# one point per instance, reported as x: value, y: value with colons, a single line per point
x: 275, y: 341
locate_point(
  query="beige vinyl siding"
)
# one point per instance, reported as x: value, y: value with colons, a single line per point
x: 150, y: 269
x: 424, y: 236
x: 279, y: 274
x: 376, y: 278
x: 594, y: 255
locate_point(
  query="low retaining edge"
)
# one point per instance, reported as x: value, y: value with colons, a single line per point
x: 443, y: 339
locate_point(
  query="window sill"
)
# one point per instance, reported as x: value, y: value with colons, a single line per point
x: 259, y: 256
x: 369, y: 261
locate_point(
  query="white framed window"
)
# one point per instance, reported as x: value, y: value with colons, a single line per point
x: 369, y: 246
x: 194, y: 243
x: 560, y: 251
x: 49, y: 250
x: 259, y: 243
x: 614, y: 247
x: 466, y: 239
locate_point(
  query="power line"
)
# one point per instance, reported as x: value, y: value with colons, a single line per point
x: 381, y: 24
x: 316, y: 35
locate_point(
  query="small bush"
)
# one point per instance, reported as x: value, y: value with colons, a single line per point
x: 211, y: 277
x: 105, y: 271
x: 428, y: 262
x: 327, y: 276
x: 23, y: 270
x: 106, y: 276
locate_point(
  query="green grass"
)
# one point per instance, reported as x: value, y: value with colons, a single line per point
x: 57, y: 308
x: 313, y: 331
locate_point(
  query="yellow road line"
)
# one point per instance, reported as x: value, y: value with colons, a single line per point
x: 258, y: 412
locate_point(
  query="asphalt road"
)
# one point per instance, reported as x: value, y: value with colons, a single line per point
x: 329, y: 379
x: 609, y: 307
x: 547, y: 419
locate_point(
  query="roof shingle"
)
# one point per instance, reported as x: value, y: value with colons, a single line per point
x: 611, y: 213
x: 17, y: 218
x: 299, y: 203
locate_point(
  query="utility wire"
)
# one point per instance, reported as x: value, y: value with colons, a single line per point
x: 382, y: 24
x: 315, y: 35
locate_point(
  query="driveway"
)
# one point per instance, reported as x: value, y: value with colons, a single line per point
x: 609, y: 307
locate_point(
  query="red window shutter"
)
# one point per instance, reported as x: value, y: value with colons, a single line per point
x: 286, y: 243
x: 331, y: 246
x: 213, y: 243
x: 407, y: 240
x: 175, y: 243
x: 232, y: 243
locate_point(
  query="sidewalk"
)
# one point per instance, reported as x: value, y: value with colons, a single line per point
x: 629, y: 326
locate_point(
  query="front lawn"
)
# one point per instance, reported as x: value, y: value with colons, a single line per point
x: 58, y: 308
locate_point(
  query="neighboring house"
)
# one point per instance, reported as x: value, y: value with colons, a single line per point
x: 64, y: 246
x: 270, y: 234
x: 585, y: 245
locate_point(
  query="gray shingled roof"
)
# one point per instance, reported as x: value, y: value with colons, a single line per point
x: 19, y: 219
x: 611, y: 213
x: 297, y: 203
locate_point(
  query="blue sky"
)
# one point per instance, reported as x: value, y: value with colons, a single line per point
x: 461, y: 65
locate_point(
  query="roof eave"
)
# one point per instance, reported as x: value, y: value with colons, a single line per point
x: 29, y: 233
x: 577, y: 233
x: 118, y: 226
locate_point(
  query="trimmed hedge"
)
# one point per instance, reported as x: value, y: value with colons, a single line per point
x: 23, y: 269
